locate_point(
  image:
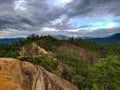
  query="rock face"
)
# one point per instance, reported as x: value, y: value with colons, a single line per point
x: 17, y: 75
x: 31, y: 50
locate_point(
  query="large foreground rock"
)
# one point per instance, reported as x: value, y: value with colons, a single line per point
x: 17, y: 75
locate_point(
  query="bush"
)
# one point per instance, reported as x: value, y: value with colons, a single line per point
x: 106, y: 74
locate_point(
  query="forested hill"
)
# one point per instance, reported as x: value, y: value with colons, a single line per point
x: 86, y: 64
x: 115, y: 38
x: 10, y: 40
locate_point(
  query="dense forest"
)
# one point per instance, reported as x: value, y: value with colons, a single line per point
x: 89, y: 65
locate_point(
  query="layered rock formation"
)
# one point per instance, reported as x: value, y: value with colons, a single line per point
x: 17, y: 75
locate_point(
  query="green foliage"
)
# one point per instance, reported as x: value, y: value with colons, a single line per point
x: 43, y: 60
x: 49, y: 43
x: 46, y: 61
x: 8, y: 51
x: 101, y: 74
x: 79, y: 70
x: 106, y: 74
x: 101, y: 50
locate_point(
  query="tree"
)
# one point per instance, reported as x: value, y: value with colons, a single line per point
x: 106, y: 74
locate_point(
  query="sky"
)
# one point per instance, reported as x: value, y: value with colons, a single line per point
x: 76, y: 18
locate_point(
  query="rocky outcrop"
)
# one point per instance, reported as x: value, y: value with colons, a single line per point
x: 31, y: 50
x: 17, y: 75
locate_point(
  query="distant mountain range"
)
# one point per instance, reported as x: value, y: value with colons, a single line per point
x: 60, y: 37
x: 9, y: 40
x: 113, y: 39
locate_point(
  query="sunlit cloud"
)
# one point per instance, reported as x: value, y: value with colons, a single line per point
x: 20, y: 5
x: 59, y: 3
x: 48, y: 29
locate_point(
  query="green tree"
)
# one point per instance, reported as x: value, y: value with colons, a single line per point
x: 106, y: 74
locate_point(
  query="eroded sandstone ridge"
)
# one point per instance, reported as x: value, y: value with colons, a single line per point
x: 17, y: 75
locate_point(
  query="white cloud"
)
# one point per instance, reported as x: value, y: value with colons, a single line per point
x: 73, y: 30
x: 112, y: 25
x: 48, y: 29
x: 20, y: 5
x: 59, y: 3
x: 13, y: 33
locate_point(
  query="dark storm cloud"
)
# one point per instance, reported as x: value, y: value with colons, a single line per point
x: 6, y: 1
x: 38, y: 13
x: 86, y: 7
x: 31, y: 16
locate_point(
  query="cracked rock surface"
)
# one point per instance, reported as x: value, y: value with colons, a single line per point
x: 18, y: 75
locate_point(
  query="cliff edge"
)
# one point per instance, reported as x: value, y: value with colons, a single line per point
x: 18, y: 75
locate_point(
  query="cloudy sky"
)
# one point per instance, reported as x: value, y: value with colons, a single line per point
x: 83, y: 18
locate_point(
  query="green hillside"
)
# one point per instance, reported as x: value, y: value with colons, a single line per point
x: 88, y: 65
x: 114, y: 38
